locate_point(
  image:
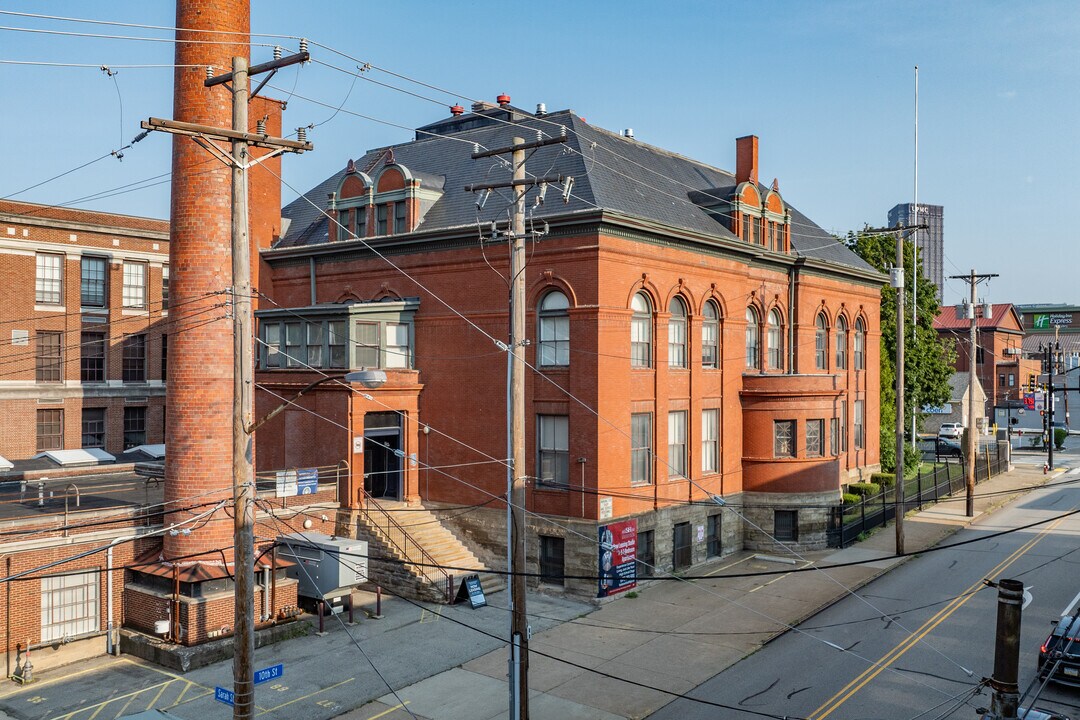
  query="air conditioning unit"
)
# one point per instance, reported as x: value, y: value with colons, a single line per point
x: 323, y: 565
x: 1014, y: 351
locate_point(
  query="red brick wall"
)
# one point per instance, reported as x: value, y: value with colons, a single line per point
x: 25, y: 229
x: 463, y: 376
x: 200, y: 382
x: 23, y: 596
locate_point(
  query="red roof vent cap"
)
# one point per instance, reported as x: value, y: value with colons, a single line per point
x: 456, y: 110
x: 503, y: 100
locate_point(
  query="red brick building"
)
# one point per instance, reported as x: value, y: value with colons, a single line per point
x: 84, y: 312
x: 1000, y: 364
x: 691, y: 334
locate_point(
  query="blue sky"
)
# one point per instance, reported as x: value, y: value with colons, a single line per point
x: 827, y: 86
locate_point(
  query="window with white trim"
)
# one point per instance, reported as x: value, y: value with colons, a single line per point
x: 641, y: 448
x: 860, y: 345
x: 710, y: 441
x: 821, y: 343
x: 641, y: 332
x: 553, y: 449
x: 554, y: 330
x: 676, y: 427
x: 677, y: 333
x: 49, y: 280
x: 776, y: 341
x: 69, y: 606
x: 753, y: 338
x: 860, y: 435
x: 134, y: 290
x: 710, y: 336
x: 841, y: 343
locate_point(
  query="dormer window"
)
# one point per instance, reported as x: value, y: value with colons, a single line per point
x: 399, y: 218
x: 380, y: 222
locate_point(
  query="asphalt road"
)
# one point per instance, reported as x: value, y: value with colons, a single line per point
x: 904, y: 647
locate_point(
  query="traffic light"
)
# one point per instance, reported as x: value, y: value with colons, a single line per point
x: 1031, y: 382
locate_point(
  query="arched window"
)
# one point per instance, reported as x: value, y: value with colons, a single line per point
x: 710, y: 336
x: 677, y: 333
x: 641, y: 332
x: 821, y: 342
x: 860, y: 345
x: 776, y: 341
x: 841, y: 343
x: 753, y: 339
x: 554, y: 330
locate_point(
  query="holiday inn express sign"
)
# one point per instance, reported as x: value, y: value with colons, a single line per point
x: 1047, y: 320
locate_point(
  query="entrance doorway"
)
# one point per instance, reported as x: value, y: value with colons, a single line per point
x: 383, y: 455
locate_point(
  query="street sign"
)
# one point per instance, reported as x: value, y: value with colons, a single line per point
x: 271, y: 673
x: 224, y: 696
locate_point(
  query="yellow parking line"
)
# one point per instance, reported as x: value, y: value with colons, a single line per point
x: 729, y: 565
x: 911, y: 640
x: 124, y: 709
x: 41, y: 683
x: 110, y: 700
x: 390, y: 710
x: 305, y: 697
x: 156, y: 697
x: 166, y: 673
x: 182, y: 692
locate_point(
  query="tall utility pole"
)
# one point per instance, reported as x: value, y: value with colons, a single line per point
x: 971, y: 445
x: 243, y: 341
x: 1050, y: 361
x: 896, y: 280
x: 515, y: 421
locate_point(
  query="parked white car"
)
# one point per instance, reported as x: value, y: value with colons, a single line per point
x: 951, y: 430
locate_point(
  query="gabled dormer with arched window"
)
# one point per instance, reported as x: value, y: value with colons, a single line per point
x: 391, y: 201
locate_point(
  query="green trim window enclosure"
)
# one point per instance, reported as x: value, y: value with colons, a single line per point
x: 356, y: 335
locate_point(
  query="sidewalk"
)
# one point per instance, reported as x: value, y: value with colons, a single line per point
x: 663, y: 637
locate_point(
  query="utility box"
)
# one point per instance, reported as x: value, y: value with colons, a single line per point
x: 325, y: 566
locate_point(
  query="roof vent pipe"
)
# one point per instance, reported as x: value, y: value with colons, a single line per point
x: 503, y: 100
x: 456, y: 110
x: 629, y: 133
x: 541, y: 109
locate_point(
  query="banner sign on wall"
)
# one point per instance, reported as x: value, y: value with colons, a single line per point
x: 617, y: 553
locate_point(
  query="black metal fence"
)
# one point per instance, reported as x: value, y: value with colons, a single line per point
x: 848, y: 522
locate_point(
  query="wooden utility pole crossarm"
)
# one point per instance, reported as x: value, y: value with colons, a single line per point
x: 515, y: 421
x: 971, y: 446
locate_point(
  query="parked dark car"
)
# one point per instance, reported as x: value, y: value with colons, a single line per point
x: 1059, y: 656
x: 935, y: 448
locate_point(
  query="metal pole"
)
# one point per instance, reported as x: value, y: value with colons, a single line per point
x: 969, y: 461
x: 898, y: 491
x: 1050, y: 407
x: 517, y: 274
x: 243, y: 474
x: 1006, y: 698
x: 915, y: 245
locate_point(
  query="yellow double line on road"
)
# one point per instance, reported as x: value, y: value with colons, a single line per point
x: 893, y: 655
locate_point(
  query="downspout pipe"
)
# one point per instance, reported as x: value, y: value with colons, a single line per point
x: 793, y: 280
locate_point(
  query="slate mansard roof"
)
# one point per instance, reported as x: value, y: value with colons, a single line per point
x: 611, y: 173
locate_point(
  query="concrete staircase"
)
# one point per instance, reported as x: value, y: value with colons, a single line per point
x: 412, y: 540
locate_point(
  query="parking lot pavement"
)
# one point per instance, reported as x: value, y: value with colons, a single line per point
x: 323, y: 677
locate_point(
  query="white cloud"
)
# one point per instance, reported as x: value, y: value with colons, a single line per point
x: 1007, y: 94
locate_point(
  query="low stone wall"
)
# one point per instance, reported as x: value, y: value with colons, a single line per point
x: 759, y: 509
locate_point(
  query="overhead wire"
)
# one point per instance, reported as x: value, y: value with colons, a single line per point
x: 592, y: 540
x: 669, y: 693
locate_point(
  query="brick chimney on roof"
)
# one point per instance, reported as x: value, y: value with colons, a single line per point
x: 746, y: 162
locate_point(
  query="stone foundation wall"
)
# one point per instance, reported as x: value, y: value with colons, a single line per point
x: 759, y: 509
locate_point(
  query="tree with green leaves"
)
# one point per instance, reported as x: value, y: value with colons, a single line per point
x: 928, y: 359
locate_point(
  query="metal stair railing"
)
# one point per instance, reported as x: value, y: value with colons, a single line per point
x: 396, y: 534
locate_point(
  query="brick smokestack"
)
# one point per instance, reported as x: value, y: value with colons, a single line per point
x: 198, y: 462
x: 746, y: 165
x: 264, y: 193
